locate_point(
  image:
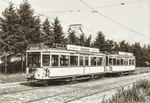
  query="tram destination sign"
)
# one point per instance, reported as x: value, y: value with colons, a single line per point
x: 37, y: 46
x: 83, y: 49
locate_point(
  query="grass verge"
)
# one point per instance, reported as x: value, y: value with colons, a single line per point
x: 140, y: 70
x: 138, y: 93
x: 9, y: 78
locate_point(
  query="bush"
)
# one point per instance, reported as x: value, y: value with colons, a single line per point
x: 131, y: 95
x: 12, y: 67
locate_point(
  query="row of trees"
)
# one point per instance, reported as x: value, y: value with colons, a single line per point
x: 20, y: 27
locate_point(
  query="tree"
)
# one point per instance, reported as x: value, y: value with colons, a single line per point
x: 109, y: 45
x: 29, y: 28
x: 30, y: 24
x: 137, y: 53
x: 81, y: 40
x: 100, y: 41
x: 58, y: 35
x: 72, y: 38
x: 116, y: 46
x: 47, y: 32
x: 88, y: 41
x: 9, y: 28
x: 124, y: 46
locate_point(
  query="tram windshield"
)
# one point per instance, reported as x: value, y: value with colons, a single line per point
x: 33, y: 58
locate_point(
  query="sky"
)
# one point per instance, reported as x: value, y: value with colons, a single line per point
x: 129, y: 22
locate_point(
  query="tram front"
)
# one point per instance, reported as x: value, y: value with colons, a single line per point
x: 33, y: 65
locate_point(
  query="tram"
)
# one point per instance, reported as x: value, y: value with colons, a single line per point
x: 71, y: 61
x: 120, y: 63
x: 63, y: 62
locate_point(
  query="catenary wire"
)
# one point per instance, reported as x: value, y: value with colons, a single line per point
x: 114, y: 20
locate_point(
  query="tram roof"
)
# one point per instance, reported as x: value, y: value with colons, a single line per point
x: 57, y: 50
x: 122, y: 54
x: 64, y: 49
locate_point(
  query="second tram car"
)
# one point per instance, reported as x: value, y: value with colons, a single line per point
x: 122, y: 62
x: 44, y: 63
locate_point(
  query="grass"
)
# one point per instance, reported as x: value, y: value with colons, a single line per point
x: 140, y: 70
x: 138, y: 93
x: 9, y: 78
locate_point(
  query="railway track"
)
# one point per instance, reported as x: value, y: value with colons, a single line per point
x: 98, y: 92
x: 81, y: 92
x: 33, y: 88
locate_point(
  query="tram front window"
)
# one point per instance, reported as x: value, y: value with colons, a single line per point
x: 33, y: 58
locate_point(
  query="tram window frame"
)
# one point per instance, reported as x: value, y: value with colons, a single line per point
x: 81, y: 63
x: 34, y: 58
x: 106, y: 60
x: 73, y: 60
x: 130, y: 61
x: 114, y: 61
x: 133, y: 61
x: 110, y: 61
x: 122, y: 61
x: 126, y: 61
x: 54, y: 60
x: 99, y: 60
x: 86, y: 60
x: 118, y: 61
x: 64, y: 61
x: 46, y: 60
x: 93, y: 61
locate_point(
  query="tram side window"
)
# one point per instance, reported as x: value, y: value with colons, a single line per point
x: 99, y: 60
x: 130, y: 62
x: 126, y: 61
x: 106, y: 61
x: 133, y: 61
x: 46, y: 60
x: 86, y: 60
x: 118, y: 61
x: 93, y: 61
x: 54, y: 60
x: 73, y: 60
x: 64, y: 60
x: 81, y: 60
x: 121, y: 61
x: 114, y: 61
x: 110, y: 61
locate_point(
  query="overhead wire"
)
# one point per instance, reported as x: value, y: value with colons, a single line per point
x: 114, y: 20
x: 83, y: 10
x: 40, y: 14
